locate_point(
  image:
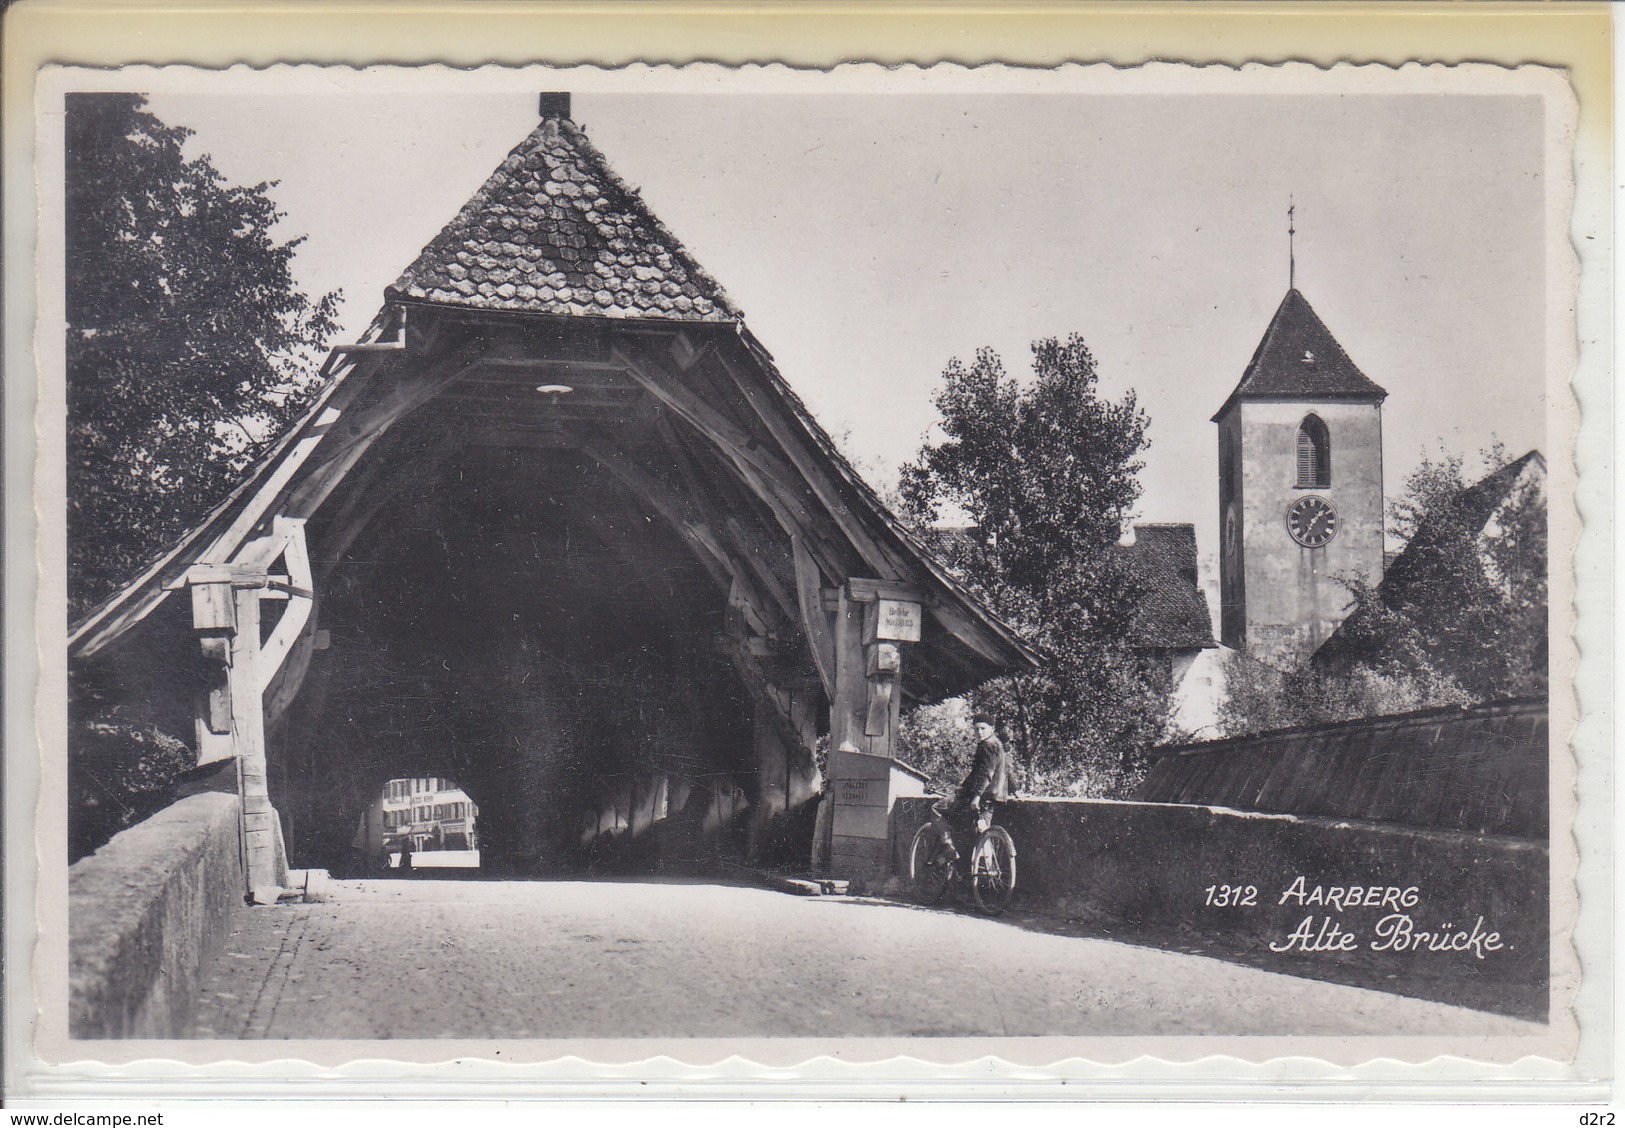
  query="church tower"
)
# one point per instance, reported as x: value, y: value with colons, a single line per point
x: 1300, y: 489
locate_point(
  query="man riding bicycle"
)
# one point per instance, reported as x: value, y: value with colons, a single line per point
x: 987, y: 784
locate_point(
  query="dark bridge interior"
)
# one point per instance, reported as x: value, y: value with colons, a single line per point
x: 500, y: 607
x: 517, y: 621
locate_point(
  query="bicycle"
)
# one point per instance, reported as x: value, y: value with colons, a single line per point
x: 934, y: 863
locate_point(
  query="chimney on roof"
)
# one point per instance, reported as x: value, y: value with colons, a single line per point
x: 554, y: 105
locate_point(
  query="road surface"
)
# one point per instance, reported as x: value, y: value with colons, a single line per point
x: 569, y: 959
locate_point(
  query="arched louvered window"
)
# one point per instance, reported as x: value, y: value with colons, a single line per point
x: 1314, y: 454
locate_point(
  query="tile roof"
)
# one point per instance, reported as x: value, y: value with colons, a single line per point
x: 1173, y: 612
x: 1299, y: 358
x: 554, y: 230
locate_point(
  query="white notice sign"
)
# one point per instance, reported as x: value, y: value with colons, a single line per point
x: 898, y: 621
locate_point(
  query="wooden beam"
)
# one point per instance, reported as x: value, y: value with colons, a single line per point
x: 973, y: 635
x: 861, y: 589
x: 666, y: 388
x: 707, y: 548
x: 751, y: 551
x: 816, y: 623
x: 759, y: 688
x: 737, y: 494
x: 606, y: 415
x: 525, y: 397
x: 260, y: 834
x: 276, y: 648
x: 767, y: 475
x: 367, y: 424
x: 814, y: 472
x: 847, y: 705
x: 366, y: 498
x: 551, y: 364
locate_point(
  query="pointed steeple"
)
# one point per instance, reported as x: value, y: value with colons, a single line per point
x: 1299, y: 359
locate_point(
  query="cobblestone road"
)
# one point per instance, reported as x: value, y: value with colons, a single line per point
x: 466, y: 959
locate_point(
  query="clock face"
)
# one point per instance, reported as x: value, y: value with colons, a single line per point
x: 1312, y: 521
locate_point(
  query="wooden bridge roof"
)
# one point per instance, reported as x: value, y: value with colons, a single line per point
x: 554, y: 230
x: 556, y: 274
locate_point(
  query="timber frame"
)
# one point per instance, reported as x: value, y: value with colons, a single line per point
x: 832, y: 607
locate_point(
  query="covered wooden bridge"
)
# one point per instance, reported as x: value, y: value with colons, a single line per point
x: 558, y: 529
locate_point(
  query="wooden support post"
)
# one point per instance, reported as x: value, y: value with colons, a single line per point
x: 214, y: 620
x: 231, y: 723
x: 851, y: 697
x: 872, y: 622
x: 262, y: 856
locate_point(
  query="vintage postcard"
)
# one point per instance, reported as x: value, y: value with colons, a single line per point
x: 1072, y: 566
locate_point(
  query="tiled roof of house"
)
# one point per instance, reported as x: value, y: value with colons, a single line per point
x: 554, y: 230
x: 1299, y: 358
x: 1173, y: 612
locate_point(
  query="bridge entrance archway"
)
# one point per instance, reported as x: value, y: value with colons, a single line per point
x: 520, y: 621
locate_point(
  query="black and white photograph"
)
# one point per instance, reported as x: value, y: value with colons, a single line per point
x: 923, y: 558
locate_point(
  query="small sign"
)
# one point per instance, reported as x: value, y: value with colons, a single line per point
x: 855, y: 792
x: 898, y: 621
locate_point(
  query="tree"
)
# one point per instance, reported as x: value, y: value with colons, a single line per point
x: 1463, y: 608
x: 1261, y: 698
x: 938, y: 740
x: 189, y: 346
x: 1045, y: 474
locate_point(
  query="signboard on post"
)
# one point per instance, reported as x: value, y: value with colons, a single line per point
x: 897, y: 621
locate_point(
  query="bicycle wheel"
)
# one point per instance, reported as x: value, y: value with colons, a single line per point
x: 930, y: 865
x: 993, y: 870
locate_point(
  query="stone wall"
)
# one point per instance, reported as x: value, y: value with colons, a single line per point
x: 146, y: 912
x: 1149, y: 867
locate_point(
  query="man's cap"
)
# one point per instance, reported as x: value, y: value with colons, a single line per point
x: 984, y: 719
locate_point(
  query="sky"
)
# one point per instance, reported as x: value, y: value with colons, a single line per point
x: 870, y: 238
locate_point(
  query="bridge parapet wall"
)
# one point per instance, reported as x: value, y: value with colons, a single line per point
x: 145, y: 914
x: 1480, y: 769
x: 1143, y: 871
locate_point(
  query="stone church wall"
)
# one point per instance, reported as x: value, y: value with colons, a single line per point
x: 1293, y: 596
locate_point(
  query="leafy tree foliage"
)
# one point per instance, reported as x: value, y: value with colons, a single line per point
x: 1260, y: 698
x: 1468, y: 613
x: 1045, y: 475
x: 189, y: 346
x: 118, y: 775
x: 938, y: 740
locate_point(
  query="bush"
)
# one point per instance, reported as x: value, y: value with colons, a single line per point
x: 118, y: 775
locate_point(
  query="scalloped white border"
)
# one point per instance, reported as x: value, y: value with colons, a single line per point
x: 1207, y: 1066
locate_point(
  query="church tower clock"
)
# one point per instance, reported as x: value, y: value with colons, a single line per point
x: 1300, y: 489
